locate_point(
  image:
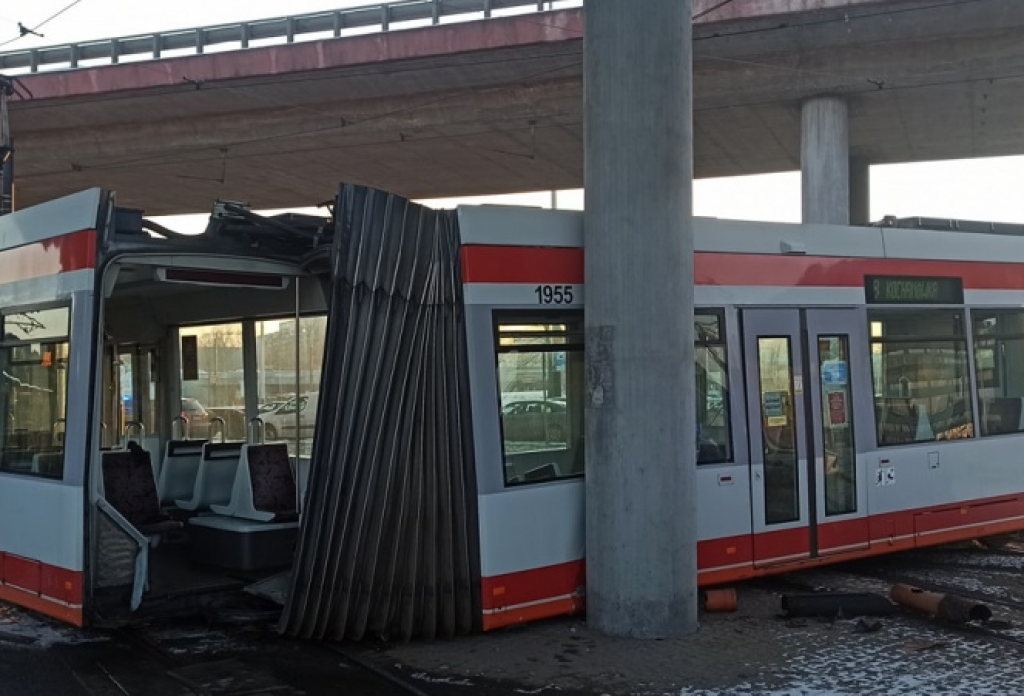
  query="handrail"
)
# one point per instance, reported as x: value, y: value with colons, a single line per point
x: 255, y: 436
x: 289, y: 29
x: 223, y: 428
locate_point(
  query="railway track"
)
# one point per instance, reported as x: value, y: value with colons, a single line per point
x: 197, y: 660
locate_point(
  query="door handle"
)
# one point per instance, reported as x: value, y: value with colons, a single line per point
x: 757, y: 475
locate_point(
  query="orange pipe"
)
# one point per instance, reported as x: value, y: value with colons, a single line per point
x: 721, y: 599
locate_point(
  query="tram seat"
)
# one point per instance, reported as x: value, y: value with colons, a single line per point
x: 264, y: 486
x: 902, y: 420
x: 47, y: 463
x: 17, y: 460
x: 924, y: 430
x: 544, y: 472
x: 178, y: 474
x: 1001, y: 415
x: 247, y: 545
x: 129, y: 487
x: 215, y: 477
x: 897, y: 420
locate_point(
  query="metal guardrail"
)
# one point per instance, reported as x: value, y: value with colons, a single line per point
x: 195, y: 41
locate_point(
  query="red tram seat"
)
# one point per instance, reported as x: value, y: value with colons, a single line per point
x: 264, y: 487
x: 129, y: 487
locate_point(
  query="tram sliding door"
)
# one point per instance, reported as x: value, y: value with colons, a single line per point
x: 807, y: 493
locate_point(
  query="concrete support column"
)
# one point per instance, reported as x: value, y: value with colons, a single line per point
x: 640, y: 419
x: 825, y: 161
x: 860, y: 191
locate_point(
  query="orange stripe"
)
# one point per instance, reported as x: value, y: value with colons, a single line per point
x: 24, y: 573
x: 534, y: 612
x: 511, y: 589
x: 71, y: 614
x: 70, y: 252
x: 44, y: 582
x: 507, y: 264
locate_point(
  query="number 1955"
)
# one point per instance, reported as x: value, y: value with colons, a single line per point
x: 554, y: 294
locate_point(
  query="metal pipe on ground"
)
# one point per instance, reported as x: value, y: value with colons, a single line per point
x: 847, y: 604
x: 944, y: 606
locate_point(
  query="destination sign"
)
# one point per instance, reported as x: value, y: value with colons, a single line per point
x: 913, y: 290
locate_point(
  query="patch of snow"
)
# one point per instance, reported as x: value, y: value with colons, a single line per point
x: 455, y: 681
x: 906, y: 660
x: 27, y: 630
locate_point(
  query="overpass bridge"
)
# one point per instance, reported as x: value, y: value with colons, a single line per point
x: 495, y: 105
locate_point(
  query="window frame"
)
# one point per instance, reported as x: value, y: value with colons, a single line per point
x: 723, y: 341
x: 976, y: 314
x: 964, y: 334
x: 63, y: 339
x: 500, y: 317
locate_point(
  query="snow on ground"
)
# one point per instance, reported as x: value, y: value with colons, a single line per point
x: 196, y: 640
x: 900, y: 660
x: 22, y: 628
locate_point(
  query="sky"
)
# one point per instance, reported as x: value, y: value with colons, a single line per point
x: 982, y: 189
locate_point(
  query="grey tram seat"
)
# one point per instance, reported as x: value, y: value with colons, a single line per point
x: 129, y: 487
x: 1001, y: 415
x: 177, y: 478
x: 215, y: 477
x: 47, y: 463
x: 897, y: 419
x: 237, y: 543
x: 264, y: 486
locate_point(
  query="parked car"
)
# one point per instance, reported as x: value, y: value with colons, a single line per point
x: 535, y: 420
x: 280, y: 422
x: 196, y: 414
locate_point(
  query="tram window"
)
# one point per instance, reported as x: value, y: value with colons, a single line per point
x: 712, y: 388
x: 33, y: 391
x: 541, y: 388
x: 283, y: 373
x: 214, y: 401
x: 837, y: 425
x: 999, y: 366
x: 921, y: 376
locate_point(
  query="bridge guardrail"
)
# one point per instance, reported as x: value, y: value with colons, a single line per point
x: 326, y: 24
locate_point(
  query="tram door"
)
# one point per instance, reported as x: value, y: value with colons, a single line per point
x: 807, y: 489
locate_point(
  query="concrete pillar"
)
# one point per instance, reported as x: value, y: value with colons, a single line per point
x: 640, y: 419
x: 860, y: 191
x: 825, y: 161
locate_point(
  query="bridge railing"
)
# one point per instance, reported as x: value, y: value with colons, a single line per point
x: 379, y: 17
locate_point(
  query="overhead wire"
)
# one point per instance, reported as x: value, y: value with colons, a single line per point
x: 709, y: 10
x: 32, y: 30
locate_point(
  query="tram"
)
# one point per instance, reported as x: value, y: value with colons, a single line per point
x: 859, y: 391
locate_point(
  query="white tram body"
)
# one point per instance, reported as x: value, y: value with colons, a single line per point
x: 925, y: 392
x: 859, y: 391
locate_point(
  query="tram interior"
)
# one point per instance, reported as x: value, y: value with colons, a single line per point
x: 198, y: 368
